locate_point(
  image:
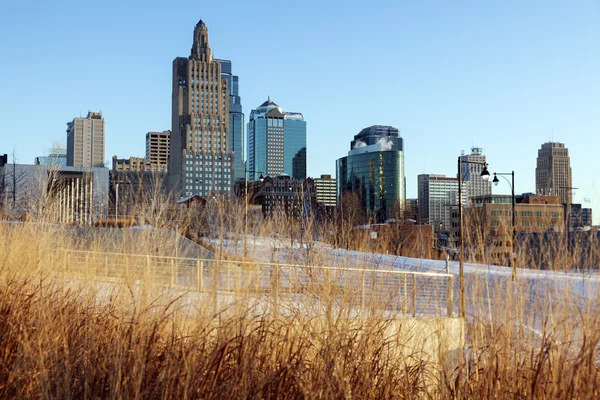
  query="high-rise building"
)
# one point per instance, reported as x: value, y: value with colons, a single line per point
x: 276, y: 142
x: 553, y: 172
x: 236, y: 120
x: 200, y: 159
x: 85, y: 141
x: 438, y: 194
x: 374, y: 171
x: 157, y: 150
x: 326, y: 190
x: 471, y: 169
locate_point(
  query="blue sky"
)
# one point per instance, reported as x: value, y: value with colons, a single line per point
x: 506, y: 76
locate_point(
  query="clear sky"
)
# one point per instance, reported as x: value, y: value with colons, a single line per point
x: 505, y: 75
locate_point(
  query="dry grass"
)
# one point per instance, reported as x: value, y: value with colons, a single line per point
x: 73, y: 340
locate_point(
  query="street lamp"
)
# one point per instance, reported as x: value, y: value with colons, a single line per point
x: 485, y: 175
x: 514, y: 230
x: 246, y: 203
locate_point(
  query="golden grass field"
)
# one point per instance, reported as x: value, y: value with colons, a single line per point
x: 69, y: 338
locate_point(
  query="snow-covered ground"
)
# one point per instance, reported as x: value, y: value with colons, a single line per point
x: 486, y: 286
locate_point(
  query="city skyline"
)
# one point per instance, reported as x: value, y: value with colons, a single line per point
x: 475, y: 82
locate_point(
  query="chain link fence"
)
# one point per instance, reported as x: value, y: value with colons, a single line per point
x: 406, y: 292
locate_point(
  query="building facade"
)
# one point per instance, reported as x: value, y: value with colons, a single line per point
x: 157, y: 150
x: 471, y: 167
x: 200, y: 159
x: 438, y: 195
x: 553, y: 172
x: 490, y: 217
x: 326, y: 191
x: 236, y: 119
x: 276, y: 142
x: 374, y: 171
x: 55, y: 194
x: 57, y: 157
x: 85, y: 141
x: 137, y: 164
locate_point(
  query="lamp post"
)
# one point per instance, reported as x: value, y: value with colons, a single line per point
x: 514, y: 226
x: 485, y: 175
x: 246, y: 204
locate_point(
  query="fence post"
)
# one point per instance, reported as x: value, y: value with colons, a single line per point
x: 362, y: 293
x: 64, y: 267
x: 199, y: 270
x: 215, y: 285
x: 172, y: 272
x: 146, y: 275
x: 414, y: 295
x: 449, y: 296
x: 276, y: 290
x: 405, y: 306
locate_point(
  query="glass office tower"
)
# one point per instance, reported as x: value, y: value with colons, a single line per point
x: 374, y: 171
x: 236, y: 120
x: 276, y: 142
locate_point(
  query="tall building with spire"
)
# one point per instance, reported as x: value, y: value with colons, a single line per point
x: 553, y: 172
x: 200, y: 161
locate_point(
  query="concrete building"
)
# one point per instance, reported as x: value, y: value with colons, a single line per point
x: 438, y: 194
x: 326, y: 191
x: 200, y: 159
x: 491, y: 217
x: 157, y: 150
x: 374, y: 171
x: 553, y: 172
x: 54, y: 194
x: 236, y: 119
x: 283, y: 195
x: 85, y: 141
x: 137, y: 164
x: 471, y: 174
x: 276, y: 142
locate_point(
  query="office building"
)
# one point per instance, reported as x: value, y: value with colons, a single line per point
x: 85, y: 141
x: 471, y: 169
x: 491, y: 217
x: 157, y: 150
x: 437, y: 195
x: 374, y: 171
x: 411, y: 209
x: 131, y: 164
x: 553, y: 172
x: 236, y: 120
x: 200, y: 159
x: 56, y: 157
x: 326, y: 191
x: 283, y: 195
x: 276, y: 142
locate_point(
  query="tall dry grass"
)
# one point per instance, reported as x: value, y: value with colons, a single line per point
x: 74, y: 339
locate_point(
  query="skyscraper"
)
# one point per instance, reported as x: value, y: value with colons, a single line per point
x: 157, y: 150
x: 200, y: 159
x: 236, y: 120
x: 276, y: 142
x: 553, y: 172
x: 438, y: 194
x: 374, y: 170
x: 85, y: 141
x: 475, y: 185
